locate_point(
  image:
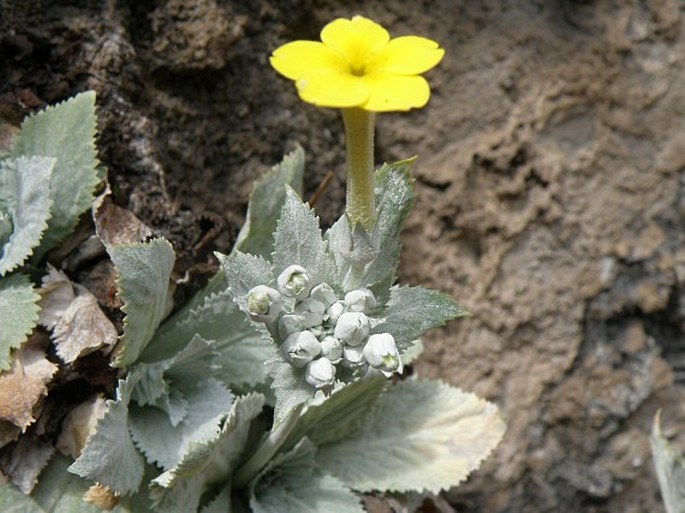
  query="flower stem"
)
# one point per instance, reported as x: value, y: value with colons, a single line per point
x: 267, y: 449
x: 359, y: 141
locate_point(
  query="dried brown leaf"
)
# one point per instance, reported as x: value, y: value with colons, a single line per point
x: 57, y: 294
x: 24, y: 463
x: 73, y: 313
x: 8, y: 433
x: 115, y: 225
x: 22, y: 386
x: 79, y: 424
x: 84, y: 328
x: 102, y: 497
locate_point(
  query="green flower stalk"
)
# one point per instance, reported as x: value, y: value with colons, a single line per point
x: 357, y: 67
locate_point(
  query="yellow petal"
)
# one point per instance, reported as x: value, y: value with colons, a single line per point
x: 407, y: 55
x: 357, y: 40
x: 293, y: 60
x: 332, y: 88
x: 395, y: 92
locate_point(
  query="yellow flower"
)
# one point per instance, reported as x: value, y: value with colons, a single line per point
x: 358, y: 65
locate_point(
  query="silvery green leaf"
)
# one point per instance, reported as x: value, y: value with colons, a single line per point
x: 240, y: 349
x: 164, y: 442
x: 153, y: 387
x: 394, y: 191
x: 298, y: 241
x: 109, y: 456
x: 59, y: 491
x: 351, y: 251
x: 244, y: 272
x: 66, y: 132
x: 289, y: 387
x: 670, y: 470
x: 421, y: 435
x: 265, y: 203
x: 143, y: 271
x: 207, y: 463
x: 332, y: 418
x: 18, y: 314
x: 293, y: 483
x: 14, y: 501
x: 411, y: 311
x: 25, y: 199
x: 222, y: 503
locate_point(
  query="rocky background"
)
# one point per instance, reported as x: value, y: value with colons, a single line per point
x: 550, y: 194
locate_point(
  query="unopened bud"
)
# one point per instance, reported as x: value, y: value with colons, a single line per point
x: 360, y: 300
x: 289, y: 323
x: 334, y: 312
x: 294, y: 282
x: 353, y: 357
x: 263, y: 303
x: 381, y: 353
x: 311, y: 311
x: 332, y: 348
x: 324, y: 293
x: 301, y: 348
x: 352, y: 328
x: 320, y: 373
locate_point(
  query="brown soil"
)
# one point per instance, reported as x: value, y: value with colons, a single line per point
x: 550, y: 194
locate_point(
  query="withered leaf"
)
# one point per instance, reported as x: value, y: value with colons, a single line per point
x: 115, y: 225
x: 79, y: 424
x: 79, y: 325
x: 24, y: 463
x: 23, y: 385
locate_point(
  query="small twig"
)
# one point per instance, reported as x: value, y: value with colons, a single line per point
x: 321, y: 188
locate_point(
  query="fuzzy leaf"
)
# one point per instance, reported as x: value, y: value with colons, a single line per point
x: 244, y: 271
x: 289, y: 387
x: 394, y: 191
x: 240, y: 350
x: 298, y: 241
x: 164, y: 443
x: 411, y: 311
x: 59, y: 491
x: 266, y: 200
x: 292, y: 483
x: 163, y: 437
x: 109, y: 457
x: 25, y: 197
x: 18, y: 314
x: 421, y: 435
x: 65, y: 132
x: 351, y: 252
x: 13, y: 501
x: 222, y: 502
x: 336, y: 416
x: 143, y: 271
x: 180, y: 489
x: 670, y: 470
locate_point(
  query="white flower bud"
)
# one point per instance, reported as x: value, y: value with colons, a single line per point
x: 352, y: 328
x: 311, y: 311
x: 290, y: 323
x: 320, y: 373
x: 301, y: 348
x: 381, y: 353
x: 332, y: 348
x: 263, y: 303
x: 353, y: 357
x: 294, y: 282
x: 335, y: 311
x: 324, y: 293
x: 360, y: 300
x: 317, y: 331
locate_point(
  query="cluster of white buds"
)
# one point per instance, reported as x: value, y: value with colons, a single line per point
x: 318, y: 331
